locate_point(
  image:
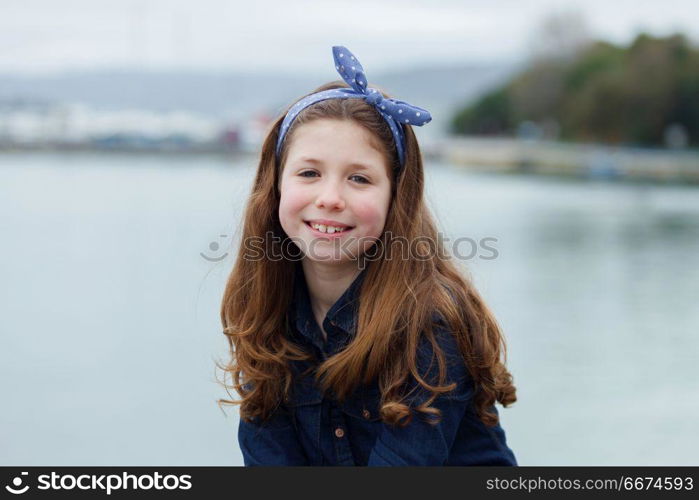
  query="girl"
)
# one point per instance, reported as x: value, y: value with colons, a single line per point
x: 346, y: 348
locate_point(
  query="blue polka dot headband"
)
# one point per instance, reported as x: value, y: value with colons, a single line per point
x: 396, y: 113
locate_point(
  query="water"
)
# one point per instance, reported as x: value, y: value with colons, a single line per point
x: 110, y: 315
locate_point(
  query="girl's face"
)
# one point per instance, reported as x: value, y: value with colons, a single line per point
x: 333, y: 178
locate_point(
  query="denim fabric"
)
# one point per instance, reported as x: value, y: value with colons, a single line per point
x: 316, y: 429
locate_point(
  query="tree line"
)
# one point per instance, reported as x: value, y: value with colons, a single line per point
x: 646, y: 94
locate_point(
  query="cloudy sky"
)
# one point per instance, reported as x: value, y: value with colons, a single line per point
x: 47, y: 36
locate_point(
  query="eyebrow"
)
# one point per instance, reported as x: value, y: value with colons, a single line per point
x: 360, y: 166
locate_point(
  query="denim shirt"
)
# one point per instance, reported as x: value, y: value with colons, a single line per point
x: 315, y: 429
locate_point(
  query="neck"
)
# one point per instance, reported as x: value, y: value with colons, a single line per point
x: 326, y: 284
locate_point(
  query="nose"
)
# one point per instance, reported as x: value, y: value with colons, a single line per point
x: 330, y: 197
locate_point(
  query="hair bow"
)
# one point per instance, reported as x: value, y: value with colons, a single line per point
x: 395, y: 112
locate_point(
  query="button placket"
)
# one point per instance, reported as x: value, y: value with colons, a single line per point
x: 338, y: 428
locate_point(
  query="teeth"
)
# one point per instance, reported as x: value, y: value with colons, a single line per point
x: 327, y: 229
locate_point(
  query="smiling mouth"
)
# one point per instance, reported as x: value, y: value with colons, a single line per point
x: 335, y: 233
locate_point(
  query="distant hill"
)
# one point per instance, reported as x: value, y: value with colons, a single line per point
x: 643, y: 94
x: 236, y: 95
x: 442, y: 90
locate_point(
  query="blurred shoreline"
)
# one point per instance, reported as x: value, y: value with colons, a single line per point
x: 504, y: 156
x: 554, y: 158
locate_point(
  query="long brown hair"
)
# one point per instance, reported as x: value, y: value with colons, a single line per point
x: 397, y: 297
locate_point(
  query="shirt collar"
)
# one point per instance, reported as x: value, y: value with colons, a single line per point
x: 342, y: 314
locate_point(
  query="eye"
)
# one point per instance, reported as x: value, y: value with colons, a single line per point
x: 362, y: 179
x: 303, y: 174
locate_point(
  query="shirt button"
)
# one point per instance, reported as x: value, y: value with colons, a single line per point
x: 339, y: 432
x: 366, y: 414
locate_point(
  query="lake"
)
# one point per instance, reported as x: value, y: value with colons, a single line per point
x: 110, y: 311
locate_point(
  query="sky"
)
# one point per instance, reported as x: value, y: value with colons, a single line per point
x: 46, y: 36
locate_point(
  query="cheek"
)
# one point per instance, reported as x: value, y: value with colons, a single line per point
x: 291, y: 202
x: 372, y: 213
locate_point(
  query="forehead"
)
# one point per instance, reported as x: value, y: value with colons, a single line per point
x: 335, y: 142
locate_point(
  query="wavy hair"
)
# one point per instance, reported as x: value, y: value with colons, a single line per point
x: 397, y: 297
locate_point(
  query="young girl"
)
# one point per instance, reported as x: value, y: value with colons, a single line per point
x: 346, y: 348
